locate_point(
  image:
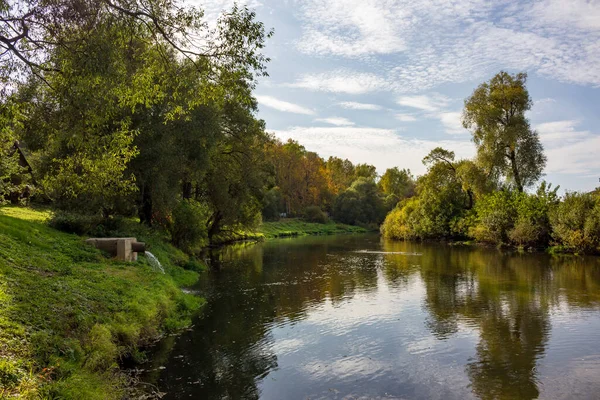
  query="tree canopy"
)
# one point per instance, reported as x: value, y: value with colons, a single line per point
x: 495, y: 113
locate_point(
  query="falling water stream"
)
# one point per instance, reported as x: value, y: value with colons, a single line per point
x: 154, y: 262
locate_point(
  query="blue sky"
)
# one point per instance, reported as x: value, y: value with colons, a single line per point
x: 383, y: 81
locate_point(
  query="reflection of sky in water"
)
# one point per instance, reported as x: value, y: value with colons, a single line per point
x: 375, y: 339
x: 316, y: 319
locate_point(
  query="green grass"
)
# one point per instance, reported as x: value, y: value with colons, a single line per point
x: 68, y: 314
x: 296, y: 227
x: 287, y: 227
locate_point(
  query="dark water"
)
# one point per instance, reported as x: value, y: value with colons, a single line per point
x: 354, y: 317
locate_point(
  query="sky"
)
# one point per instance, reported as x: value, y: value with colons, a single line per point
x: 383, y: 81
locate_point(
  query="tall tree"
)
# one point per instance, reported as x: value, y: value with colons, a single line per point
x: 505, y: 141
x: 339, y: 173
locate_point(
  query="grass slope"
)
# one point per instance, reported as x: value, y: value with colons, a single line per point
x: 68, y: 314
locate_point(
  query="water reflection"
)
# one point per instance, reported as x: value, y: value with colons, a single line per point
x: 356, y: 317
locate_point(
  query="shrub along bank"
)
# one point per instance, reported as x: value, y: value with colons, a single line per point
x: 526, y: 220
x: 69, y: 315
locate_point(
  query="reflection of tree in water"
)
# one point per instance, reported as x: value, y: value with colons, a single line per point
x: 229, y: 350
x: 508, y: 298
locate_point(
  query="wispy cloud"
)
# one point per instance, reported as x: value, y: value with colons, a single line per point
x: 338, y: 121
x: 341, y: 81
x: 284, y: 106
x: 559, y: 39
x: 569, y: 151
x: 452, y: 122
x: 359, y: 106
x: 424, y: 102
x: 405, y: 117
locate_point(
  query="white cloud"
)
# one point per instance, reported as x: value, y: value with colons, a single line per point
x: 350, y: 28
x: 431, y: 42
x: 359, y: 106
x: 338, y: 121
x: 569, y: 151
x: 452, y: 122
x: 341, y: 81
x: 284, y: 106
x: 423, y: 102
x: 557, y: 133
x: 405, y: 117
x: 384, y: 148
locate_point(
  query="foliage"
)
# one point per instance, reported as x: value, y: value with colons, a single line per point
x: 14, y: 179
x: 315, y: 214
x: 576, y: 222
x: 83, y: 224
x: 505, y: 142
x: 188, y: 229
x: 68, y: 314
x: 496, y: 214
x: 272, y: 204
x: 396, y: 182
x: 361, y: 204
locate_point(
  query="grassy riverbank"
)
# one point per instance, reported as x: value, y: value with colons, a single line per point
x: 68, y: 314
x: 297, y: 227
x: 289, y: 227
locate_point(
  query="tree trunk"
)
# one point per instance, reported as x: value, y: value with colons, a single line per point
x: 470, y: 194
x: 146, y: 209
x: 515, y: 169
x: 215, y: 227
x: 186, y: 192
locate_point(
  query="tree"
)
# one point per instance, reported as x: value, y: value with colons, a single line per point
x: 340, y: 174
x: 300, y: 175
x: 361, y: 204
x: 31, y: 32
x: 471, y: 178
x: 152, y: 109
x: 399, y: 183
x: 505, y: 141
x: 365, y: 171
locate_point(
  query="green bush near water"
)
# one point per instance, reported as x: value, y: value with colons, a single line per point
x: 315, y: 214
x: 69, y: 315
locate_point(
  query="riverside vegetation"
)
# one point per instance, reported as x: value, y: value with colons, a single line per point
x: 122, y: 110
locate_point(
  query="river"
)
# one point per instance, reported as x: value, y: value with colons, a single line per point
x: 357, y: 317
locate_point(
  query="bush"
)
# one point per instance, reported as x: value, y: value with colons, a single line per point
x: 399, y: 222
x: 188, y: 229
x: 496, y: 216
x: 525, y: 234
x: 315, y: 214
x: 576, y: 222
x: 84, y: 224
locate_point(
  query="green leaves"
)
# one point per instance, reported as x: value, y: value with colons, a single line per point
x: 505, y: 142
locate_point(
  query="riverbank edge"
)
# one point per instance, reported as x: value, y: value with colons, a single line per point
x: 69, y: 316
x: 553, y: 250
x: 290, y: 227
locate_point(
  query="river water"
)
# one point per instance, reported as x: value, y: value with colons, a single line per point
x: 357, y: 317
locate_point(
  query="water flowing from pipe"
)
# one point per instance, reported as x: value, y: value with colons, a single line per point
x: 154, y: 262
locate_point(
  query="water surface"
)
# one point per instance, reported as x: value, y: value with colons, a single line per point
x: 356, y: 317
